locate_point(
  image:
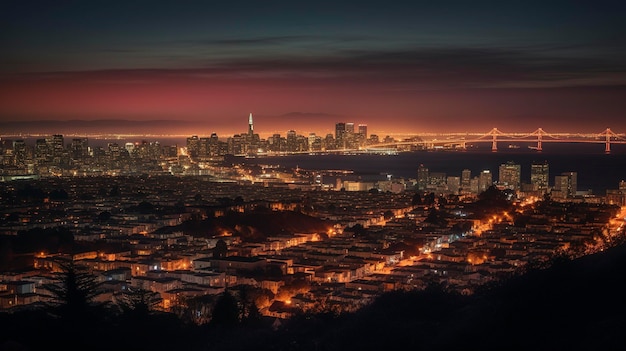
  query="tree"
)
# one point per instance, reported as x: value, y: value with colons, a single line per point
x: 492, y: 196
x: 59, y: 194
x: 435, y: 218
x: 417, y: 199
x: 74, y: 294
x: 225, y: 311
x: 249, y: 311
x: 357, y: 229
x: 461, y: 227
x: 115, y: 191
x: 221, y: 249
x: 104, y: 216
x: 139, y: 302
x: 430, y: 199
x: 225, y: 201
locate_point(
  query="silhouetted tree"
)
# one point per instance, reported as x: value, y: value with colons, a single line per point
x: 417, y: 199
x: 74, y: 294
x: 221, y: 249
x: 226, y: 311
x: 225, y: 201
x: 13, y: 217
x: 493, y: 196
x: 104, y: 216
x: 115, y: 191
x: 442, y: 200
x: 430, y: 199
x: 30, y: 193
x: 102, y: 192
x: 246, y: 302
x: 59, y: 195
x: 357, y: 229
x: 461, y: 227
x: 435, y: 217
x: 139, y: 302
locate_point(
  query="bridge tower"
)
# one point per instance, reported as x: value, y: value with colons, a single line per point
x: 540, y: 133
x: 608, y: 134
x: 494, y: 142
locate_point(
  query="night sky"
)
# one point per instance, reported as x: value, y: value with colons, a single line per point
x: 399, y: 67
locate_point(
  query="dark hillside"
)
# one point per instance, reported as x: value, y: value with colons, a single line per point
x: 255, y: 226
x: 576, y: 304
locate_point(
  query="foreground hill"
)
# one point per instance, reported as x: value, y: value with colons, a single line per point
x: 572, y: 305
x: 576, y: 304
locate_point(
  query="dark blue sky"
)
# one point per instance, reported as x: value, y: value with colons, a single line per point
x: 397, y: 66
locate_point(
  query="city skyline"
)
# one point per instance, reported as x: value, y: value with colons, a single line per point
x: 413, y: 68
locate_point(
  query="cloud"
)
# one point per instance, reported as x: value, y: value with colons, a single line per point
x: 308, y: 115
x: 267, y: 40
x: 391, y: 70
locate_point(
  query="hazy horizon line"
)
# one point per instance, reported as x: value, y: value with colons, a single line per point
x: 12, y: 129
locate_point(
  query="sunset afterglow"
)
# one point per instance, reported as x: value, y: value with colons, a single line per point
x: 400, y: 69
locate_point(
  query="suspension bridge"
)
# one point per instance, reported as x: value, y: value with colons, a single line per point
x: 495, y: 136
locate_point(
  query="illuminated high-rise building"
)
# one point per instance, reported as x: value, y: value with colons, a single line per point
x: 292, y: 141
x: 79, y: 150
x: 485, y: 180
x: 373, y: 139
x: 363, y: 130
x: 19, y: 152
x: 55, y: 148
x: 510, y: 175
x: 423, y: 178
x: 250, y: 125
x: 453, y: 184
x: 539, y: 175
x: 329, y: 142
x: 466, y: 177
x: 350, y: 127
x: 193, y: 146
x: 340, y: 132
x: 214, y: 145
x: 276, y: 143
x: 314, y: 142
x: 565, y: 185
x: 349, y: 136
x: 362, y: 135
x: 203, y: 149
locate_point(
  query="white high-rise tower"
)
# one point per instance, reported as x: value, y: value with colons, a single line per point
x: 250, y: 125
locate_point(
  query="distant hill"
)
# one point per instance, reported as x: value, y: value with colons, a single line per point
x: 100, y: 126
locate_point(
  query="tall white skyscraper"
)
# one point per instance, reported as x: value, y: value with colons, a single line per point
x: 250, y: 125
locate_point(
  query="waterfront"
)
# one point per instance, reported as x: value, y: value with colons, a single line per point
x: 596, y: 170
